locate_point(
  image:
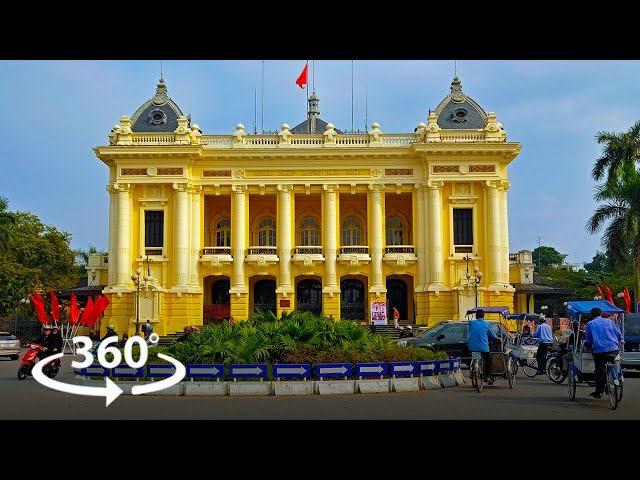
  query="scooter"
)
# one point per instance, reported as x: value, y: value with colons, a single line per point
x: 51, y: 369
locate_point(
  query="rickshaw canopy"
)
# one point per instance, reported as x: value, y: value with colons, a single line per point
x: 504, y: 311
x: 575, y: 309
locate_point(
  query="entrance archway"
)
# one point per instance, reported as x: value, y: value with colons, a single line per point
x: 309, y: 296
x: 397, y: 297
x: 264, y: 296
x: 352, y: 300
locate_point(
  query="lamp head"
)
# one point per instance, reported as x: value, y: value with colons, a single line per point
x: 134, y: 277
x: 479, y: 275
x: 138, y: 271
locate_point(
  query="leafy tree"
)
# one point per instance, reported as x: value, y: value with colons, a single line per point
x: 619, y: 215
x: 546, y: 256
x: 7, y: 220
x: 82, y: 256
x: 599, y: 263
x: 38, y: 257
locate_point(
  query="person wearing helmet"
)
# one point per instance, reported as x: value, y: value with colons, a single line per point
x: 110, y: 333
x: 44, y: 340
x: 545, y: 341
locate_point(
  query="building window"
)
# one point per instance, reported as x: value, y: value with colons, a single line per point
x: 463, y: 226
x: 351, y: 232
x: 223, y: 233
x: 309, y: 233
x: 154, y: 229
x: 395, y: 235
x: 267, y: 233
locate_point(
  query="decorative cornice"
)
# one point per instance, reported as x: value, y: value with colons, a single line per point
x: 216, y: 173
x: 398, y: 171
x: 170, y: 171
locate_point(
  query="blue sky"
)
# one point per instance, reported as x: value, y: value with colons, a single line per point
x: 57, y: 111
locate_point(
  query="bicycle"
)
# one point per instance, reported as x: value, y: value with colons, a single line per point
x: 530, y: 368
x: 476, y: 367
x: 614, y: 382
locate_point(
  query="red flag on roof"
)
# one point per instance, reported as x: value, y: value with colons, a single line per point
x: 38, y: 304
x: 302, y: 79
x: 609, y: 295
x: 627, y: 299
x: 55, y: 307
x: 74, y: 312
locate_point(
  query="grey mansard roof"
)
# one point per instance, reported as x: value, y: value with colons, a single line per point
x: 458, y: 111
x: 158, y: 114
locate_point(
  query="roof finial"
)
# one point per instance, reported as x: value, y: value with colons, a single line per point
x: 161, y: 70
x: 456, y: 90
x: 161, y: 97
x: 455, y: 68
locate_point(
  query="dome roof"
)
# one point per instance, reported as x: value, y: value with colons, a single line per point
x: 158, y: 114
x: 458, y: 111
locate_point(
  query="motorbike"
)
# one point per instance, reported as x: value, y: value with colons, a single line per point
x: 51, y: 369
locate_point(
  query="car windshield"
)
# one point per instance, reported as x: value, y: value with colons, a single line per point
x: 434, y: 330
x: 632, y: 326
x: 7, y: 336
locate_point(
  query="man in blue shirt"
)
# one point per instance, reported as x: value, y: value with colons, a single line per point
x: 545, y: 342
x: 604, y: 337
x: 480, y: 332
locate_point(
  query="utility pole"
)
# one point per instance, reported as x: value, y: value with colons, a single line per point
x: 539, y: 237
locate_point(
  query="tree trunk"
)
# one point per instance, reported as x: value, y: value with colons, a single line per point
x: 635, y: 297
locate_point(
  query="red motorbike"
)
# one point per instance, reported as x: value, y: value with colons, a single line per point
x: 30, y: 358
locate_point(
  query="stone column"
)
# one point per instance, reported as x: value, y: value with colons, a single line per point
x: 113, y: 205
x: 505, y: 231
x: 181, y: 235
x: 196, y: 221
x: 493, y: 233
x: 435, y: 232
x: 284, y: 239
x: 123, y: 235
x: 329, y: 240
x: 420, y: 232
x: 377, y: 229
x: 238, y: 240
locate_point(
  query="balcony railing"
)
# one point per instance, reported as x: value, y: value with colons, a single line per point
x: 400, y: 249
x: 150, y: 252
x: 307, y: 250
x: 263, y: 250
x: 216, y: 251
x: 463, y: 249
x: 355, y: 249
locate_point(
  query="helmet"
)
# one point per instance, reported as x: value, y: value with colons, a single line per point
x: 110, y: 327
x: 46, y: 326
x: 409, y: 327
x: 542, y: 320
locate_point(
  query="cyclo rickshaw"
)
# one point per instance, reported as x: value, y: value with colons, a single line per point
x: 523, y: 348
x: 582, y: 365
x: 503, y: 363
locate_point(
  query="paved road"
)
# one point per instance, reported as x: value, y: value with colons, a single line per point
x: 532, y: 398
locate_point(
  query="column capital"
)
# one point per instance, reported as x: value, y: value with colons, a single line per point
x: 421, y: 186
x: 330, y: 187
x: 285, y: 188
x: 494, y: 183
x: 376, y: 187
x: 506, y: 185
x: 239, y: 189
x: 119, y: 187
x: 181, y: 187
x: 435, y: 184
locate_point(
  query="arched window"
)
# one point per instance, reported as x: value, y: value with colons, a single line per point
x: 394, y: 231
x: 267, y: 233
x: 223, y: 233
x: 309, y: 232
x: 351, y: 232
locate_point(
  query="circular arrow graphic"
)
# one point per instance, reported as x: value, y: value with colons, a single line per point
x: 111, y: 391
x: 181, y: 371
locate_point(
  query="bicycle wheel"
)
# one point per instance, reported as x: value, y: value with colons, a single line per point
x: 473, y: 368
x: 478, y: 375
x: 514, y: 363
x: 612, y: 388
x: 554, y: 371
x: 530, y: 369
x: 511, y: 376
x: 571, y: 383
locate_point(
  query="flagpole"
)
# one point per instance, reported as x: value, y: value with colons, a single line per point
x: 351, y: 96
x: 262, y: 98
x: 306, y: 107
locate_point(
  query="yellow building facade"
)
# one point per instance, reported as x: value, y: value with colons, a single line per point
x: 310, y: 218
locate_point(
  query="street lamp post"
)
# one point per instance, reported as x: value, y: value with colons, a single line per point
x: 476, y: 277
x: 24, y: 302
x: 136, y: 281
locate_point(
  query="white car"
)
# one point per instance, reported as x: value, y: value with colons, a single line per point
x: 9, y: 346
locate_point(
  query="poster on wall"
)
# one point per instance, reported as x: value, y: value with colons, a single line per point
x: 379, y: 313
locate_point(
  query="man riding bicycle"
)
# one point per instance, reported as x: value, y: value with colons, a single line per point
x: 545, y: 342
x: 480, y: 332
x: 604, y: 337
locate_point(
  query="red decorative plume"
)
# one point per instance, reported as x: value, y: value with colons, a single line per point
x: 55, y: 307
x: 38, y: 304
x: 74, y: 312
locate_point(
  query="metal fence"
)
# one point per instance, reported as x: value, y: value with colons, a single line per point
x: 26, y: 330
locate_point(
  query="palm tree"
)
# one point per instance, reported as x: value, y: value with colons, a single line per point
x: 619, y: 149
x: 7, y: 219
x: 620, y: 197
x: 82, y: 256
